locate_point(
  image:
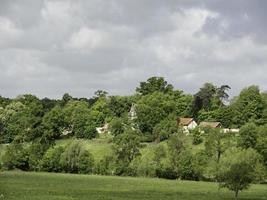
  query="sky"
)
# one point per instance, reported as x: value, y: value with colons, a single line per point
x: 50, y: 47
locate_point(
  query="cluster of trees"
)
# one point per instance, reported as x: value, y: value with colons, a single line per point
x: 31, y: 126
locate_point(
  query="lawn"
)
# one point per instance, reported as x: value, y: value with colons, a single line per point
x: 44, y: 186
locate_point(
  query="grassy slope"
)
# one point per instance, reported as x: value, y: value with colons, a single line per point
x: 43, y: 186
x: 102, y: 146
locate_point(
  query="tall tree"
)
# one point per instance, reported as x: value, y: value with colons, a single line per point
x: 154, y: 84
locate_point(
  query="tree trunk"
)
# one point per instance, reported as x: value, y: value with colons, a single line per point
x: 236, y: 194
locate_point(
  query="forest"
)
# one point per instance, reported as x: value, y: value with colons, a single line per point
x: 31, y: 128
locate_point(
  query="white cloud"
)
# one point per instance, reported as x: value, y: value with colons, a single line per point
x: 86, y: 39
x: 8, y: 31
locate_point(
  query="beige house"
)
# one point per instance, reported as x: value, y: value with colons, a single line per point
x: 187, y: 124
x: 210, y: 125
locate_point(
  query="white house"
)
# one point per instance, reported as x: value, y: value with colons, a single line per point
x: 103, y: 129
x: 187, y: 124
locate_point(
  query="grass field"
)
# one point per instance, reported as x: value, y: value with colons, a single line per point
x: 49, y: 186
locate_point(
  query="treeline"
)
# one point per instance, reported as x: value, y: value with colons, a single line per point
x: 31, y: 126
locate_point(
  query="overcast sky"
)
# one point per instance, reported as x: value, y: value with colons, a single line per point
x: 49, y: 47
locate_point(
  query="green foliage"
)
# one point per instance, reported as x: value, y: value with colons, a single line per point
x: 51, y: 159
x: 248, y: 136
x: 248, y: 106
x: 119, y: 106
x: 175, y: 147
x: 165, y: 128
x: 159, y: 154
x: 151, y: 109
x: 76, y: 159
x: 186, y: 167
x: 126, y: 148
x: 117, y: 126
x: 105, y: 166
x: 261, y: 145
x: 15, y: 122
x: 80, y: 120
x: 239, y: 168
x: 16, y: 157
x: 217, y: 142
x: 36, y: 152
x: 154, y: 84
x: 197, y: 136
x: 54, y: 123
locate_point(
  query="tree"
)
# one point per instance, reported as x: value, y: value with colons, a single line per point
x: 126, y: 147
x: 248, y: 136
x: 53, y: 123
x: 261, y: 145
x: 159, y: 154
x: 151, y: 109
x: 239, y: 168
x: 209, y: 97
x: 165, y: 128
x: 203, y: 98
x: 79, y: 119
x: 119, y: 106
x: 216, y: 143
x: 15, y: 122
x: 51, y: 159
x: 65, y: 99
x: 117, y: 126
x: 249, y: 105
x: 154, y: 84
x: 16, y: 157
x: 76, y: 159
x: 100, y: 93
x: 175, y: 147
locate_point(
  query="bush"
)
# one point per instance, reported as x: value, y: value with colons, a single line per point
x: 76, y: 159
x: 105, y: 166
x: 197, y: 139
x: 16, y: 157
x: 186, y: 167
x: 51, y: 159
x: 166, y: 172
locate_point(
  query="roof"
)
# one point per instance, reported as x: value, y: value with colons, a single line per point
x: 210, y: 124
x: 184, y: 121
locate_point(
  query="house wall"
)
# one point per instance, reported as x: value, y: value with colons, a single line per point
x: 192, y: 125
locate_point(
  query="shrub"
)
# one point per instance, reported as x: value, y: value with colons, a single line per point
x: 105, y: 166
x: 51, y: 159
x: 76, y: 159
x: 197, y: 139
x: 16, y: 157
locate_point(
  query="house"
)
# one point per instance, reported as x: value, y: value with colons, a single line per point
x: 103, y: 129
x: 210, y: 125
x: 187, y: 124
x: 231, y: 130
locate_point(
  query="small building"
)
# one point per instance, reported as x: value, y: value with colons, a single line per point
x: 103, y: 129
x: 231, y: 130
x: 210, y: 125
x: 132, y: 112
x: 187, y: 124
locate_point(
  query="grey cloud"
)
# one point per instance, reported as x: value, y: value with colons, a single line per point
x: 51, y: 47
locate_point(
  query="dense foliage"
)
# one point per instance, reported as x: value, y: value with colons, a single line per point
x: 30, y: 127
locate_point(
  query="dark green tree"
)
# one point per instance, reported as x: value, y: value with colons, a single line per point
x: 248, y: 136
x: 126, y: 148
x: 154, y: 84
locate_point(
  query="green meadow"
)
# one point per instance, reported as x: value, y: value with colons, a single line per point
x: 16, y: 185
